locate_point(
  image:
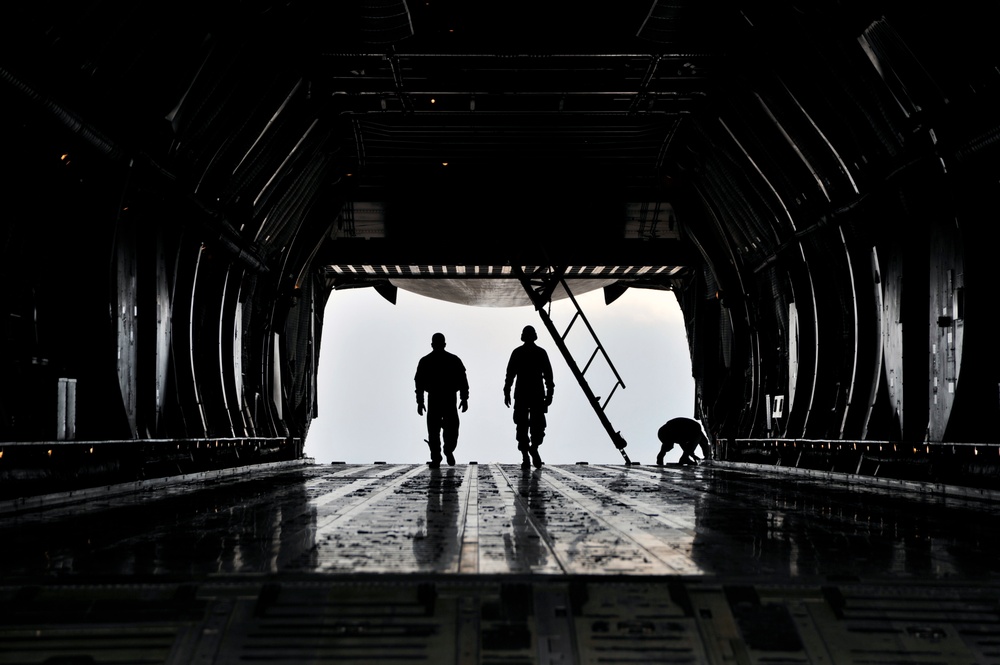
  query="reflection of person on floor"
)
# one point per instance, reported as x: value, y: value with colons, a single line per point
x: 441, y: 375
x: 529, y: 365
x: 435, y: 543
x: 685, y: 432
x: 527, y: 550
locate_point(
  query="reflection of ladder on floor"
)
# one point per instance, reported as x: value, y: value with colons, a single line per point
x: 540, y: 284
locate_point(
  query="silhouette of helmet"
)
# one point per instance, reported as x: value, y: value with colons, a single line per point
x: 528, y: 334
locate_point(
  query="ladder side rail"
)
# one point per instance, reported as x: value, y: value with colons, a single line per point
x: 575, y: 369
x: 598, y: 349
x: 592, y: 333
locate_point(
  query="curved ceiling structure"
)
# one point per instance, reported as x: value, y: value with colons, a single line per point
x: 186, y: 185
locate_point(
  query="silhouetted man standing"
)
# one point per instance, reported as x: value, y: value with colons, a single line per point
x: 529, y: 365
x: 685, y: 432
x: 441, y: 375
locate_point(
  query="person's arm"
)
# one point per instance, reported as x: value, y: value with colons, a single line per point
x: 418, y: 382
x: 509, y: 379
x: 706, y: 449
x: 463, y: 387
x: 547, y: 378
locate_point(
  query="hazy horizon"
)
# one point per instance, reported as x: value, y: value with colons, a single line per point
x: 370, y: 349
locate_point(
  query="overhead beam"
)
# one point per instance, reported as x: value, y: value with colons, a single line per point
x: 488, y: 251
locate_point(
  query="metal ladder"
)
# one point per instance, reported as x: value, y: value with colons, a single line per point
x: 540, y: 283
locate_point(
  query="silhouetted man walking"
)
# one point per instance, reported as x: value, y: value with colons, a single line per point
x: 441, y: 375
x: 529, y: 366
x: 685, y: 432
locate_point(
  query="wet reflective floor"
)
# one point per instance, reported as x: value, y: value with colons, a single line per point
x: 492, y: 563
x: 500, y: 519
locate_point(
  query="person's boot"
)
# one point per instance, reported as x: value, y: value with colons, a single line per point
x: 450, y: 457
x: 536, y: 459
x: 659, y: 460
x: 525, y: 460
x: 435, y: 456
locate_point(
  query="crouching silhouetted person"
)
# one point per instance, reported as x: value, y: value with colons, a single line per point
x: 686, y: 433
x: 441, y: 375
x: 529, y: 366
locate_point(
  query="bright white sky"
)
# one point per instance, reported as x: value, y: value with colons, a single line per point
x: 370, y: 350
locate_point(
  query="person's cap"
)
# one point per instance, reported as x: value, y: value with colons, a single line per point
x: 528, y: 333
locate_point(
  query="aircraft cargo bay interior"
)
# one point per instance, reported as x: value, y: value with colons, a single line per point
x: 190, y: 190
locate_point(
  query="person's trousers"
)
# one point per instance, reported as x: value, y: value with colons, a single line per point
x: 442, y: 427
x: 529, y: 424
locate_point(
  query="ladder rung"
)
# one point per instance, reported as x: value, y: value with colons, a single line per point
x: 610, y: 395
x: 571, y: 322
x: 592, y: 356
